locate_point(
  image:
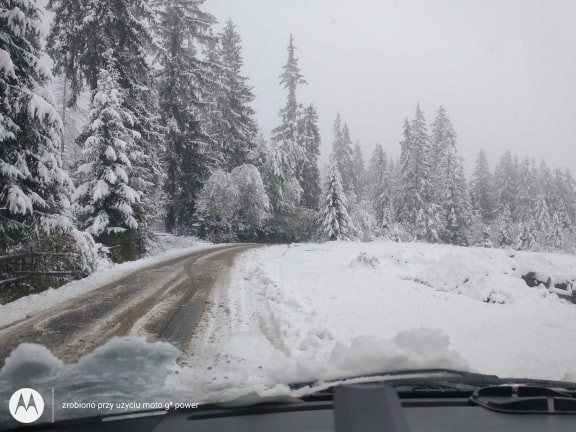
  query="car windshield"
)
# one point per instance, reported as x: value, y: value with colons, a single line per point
x: 202, y: 200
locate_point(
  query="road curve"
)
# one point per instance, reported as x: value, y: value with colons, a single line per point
x: 164, y: 301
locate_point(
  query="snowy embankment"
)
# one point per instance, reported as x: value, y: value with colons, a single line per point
x: 167, y: 247
x: 304, y: 311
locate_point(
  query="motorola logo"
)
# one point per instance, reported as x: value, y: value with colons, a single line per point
x: 26, y: 405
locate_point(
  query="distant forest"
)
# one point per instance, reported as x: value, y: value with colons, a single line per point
x: 146, y: 124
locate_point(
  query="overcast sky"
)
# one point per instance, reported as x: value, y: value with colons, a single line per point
x: 505, y: 70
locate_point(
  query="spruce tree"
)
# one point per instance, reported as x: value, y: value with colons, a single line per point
x: 106, y: 204
x: 450, y: 188
x: 34, y: 189
x: 336, y: 222
x: 526, y: 239
x: 505, y: 183
x: 307, y: 172
x: 505, y: 234
x: 359, y: 176
x: 414, y: 205
x: 541, y: 217
x: 566, y: 193
x: 554, y: 236
x: 482, y: 189
x: 64, y: 44
x: 288, y: 151
x: 117, y: 33
x: 343, y: 154
x: 235, y: 130
x: 379, y: 187
x: 525, y: 193
x: 183, y: 86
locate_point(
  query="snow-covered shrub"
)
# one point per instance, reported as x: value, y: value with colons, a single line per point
x: 363, y: 259
x: 216, y: 206
x: 335, y: 220
x: 363, y: 220
x: 252, y: 202
x: 232, y: 206
x: 398, y: 232
x: 297, y: 226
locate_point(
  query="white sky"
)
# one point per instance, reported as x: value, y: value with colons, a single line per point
x: 505, y: 70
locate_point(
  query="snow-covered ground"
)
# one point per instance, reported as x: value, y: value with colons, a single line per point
x: 307, y: 312
x: 318, y: 310
x: 166, y: 247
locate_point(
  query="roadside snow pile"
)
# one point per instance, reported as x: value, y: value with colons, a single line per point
x: 492, y: 278
x: 365, y: 260
x: 308, y: 312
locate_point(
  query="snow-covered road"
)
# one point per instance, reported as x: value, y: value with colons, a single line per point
x: 163, y: 300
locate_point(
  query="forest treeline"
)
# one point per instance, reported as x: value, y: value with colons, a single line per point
x: 153, y: 128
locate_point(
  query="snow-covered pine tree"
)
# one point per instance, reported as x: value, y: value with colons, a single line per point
x: 359, y: 171
x: 308, y: 173
x: 526, y: 193
x: 184, y: 82
x: 259, y: 155
x: 34, y: 189
x: 450, y: 187
x: 253, y: 202
x: 117, y: 32
x: 364, y: 220
x: 236, y: 129
x: 555, y: 235
x: 482, y: 189
x: 505, y: 183
x: 542, y: 219
x: 64, y: 44
x: 475, y: 229
x: 526, y: 239
x: 379, y: 188
x: 288, y: 150
x: 405, y: 202
x: 106, y: 204
x: 414, y: 203
x: 558, y: 203
x: 565, y: 190
x: 335, y: 220
x: 486, y: 237
x: 73, y: 120
x: 505, y: 233
x: 428, y: 224
x: 344, y: 155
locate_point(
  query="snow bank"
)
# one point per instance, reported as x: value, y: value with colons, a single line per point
x: 345, y: 308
